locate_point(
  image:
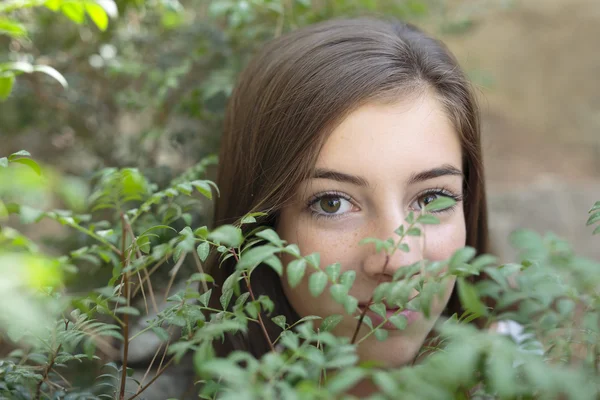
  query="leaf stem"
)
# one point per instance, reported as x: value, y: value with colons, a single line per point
x: 124, y: 261
x: 366, y: 308
x: 38, y: 392
x: 260, y: 320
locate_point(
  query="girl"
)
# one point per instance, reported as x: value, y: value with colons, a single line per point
x: 338, y: 131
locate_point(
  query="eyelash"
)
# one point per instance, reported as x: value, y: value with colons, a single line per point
x: 439, y: 191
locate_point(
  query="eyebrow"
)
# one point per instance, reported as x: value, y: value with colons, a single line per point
x: 444, y: 170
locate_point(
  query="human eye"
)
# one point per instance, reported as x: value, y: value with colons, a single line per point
x: 330, y: 205
x: 428, y: 196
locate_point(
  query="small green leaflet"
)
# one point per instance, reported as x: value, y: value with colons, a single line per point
x: 381, y: 334
x: 339, y: 293
x: 441, y: 203
x: 399, y: 321
x: 227, y: 235
x: 203, y: 249
x: 279, y: 321
x: 295, y: 271
x: 317, y: 282
x: 330, y: 322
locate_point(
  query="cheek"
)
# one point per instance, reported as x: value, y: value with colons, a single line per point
x: 339, y: 244
x: 444, y: 239
x: 333, y: 245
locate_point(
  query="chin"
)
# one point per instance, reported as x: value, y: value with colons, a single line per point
x: 393, y: 352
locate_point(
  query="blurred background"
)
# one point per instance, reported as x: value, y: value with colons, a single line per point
x: 149, y: 92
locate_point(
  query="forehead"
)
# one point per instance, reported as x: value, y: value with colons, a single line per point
x: 379, y: 140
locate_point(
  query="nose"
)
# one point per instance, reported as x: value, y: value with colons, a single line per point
x: 374, y: 264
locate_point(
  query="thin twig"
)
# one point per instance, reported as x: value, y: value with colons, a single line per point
x: 174, y: 274
x: 38, y: 391
x: 366, y: 308
x: 260, y: 320
x: 125, y: 262
x: 148, y: 274
x: 139, y: 255
x: 158, y: 374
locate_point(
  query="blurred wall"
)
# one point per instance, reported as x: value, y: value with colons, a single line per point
x: 536, y: 65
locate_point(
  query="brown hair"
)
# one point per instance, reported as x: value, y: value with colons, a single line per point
x: 294, y: 93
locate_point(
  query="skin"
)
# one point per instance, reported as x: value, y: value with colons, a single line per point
x: 385, y: 145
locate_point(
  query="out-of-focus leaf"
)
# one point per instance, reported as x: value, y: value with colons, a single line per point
x: 97, y: 14
x: 12, y: 28
x: 6, y: 84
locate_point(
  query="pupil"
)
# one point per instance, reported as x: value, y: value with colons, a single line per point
x: 330, y: 205
x: 428, y: 199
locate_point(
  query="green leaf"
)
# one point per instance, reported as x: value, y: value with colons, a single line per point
x: 279, y: 321
x: 347, y: 278
x: 201, y: 232
x: 414, y: 231
x: 379, y: 244
x: 227, y: 235
x: 30, y: 163
x: 381, y: 334
x: 3, y: 162
x: 6, y: 84
x: 255, y: 256
x: 350, y: 304
x: 313, y: 259
x: 339, y: 293
x: 330, y: 322
x: 74, y: 11
x: 403, y: 247
x: 596, y: 231
x: 317, y: 282
x: 379, y: 309
x: 127, y: 310
x: 252, y: 309
x: 386, y: 383
x: 200, y: 277
x: 12, y: 28
x: 205, y: 297
x: 271, y: 236
x: 97, y: 14
x: 203, y: 249
x: 399, y: 321
x: 595, y: 217
x: 595, y: 207
x: 295, y: 271
x: 469, y: 298
x: 333, y: 271
x: 292, y: 249
x: 441, y: 203
x: 462, y: 256
x: 53, y: 5
x: 247, y: 220
x: 143, y: 242
x: 204, y: 187
x: 428, y: 219
x: 162, y: 334
x: 275, y: 263
x: 345, y: 380
x: 565, y: 306
x: 226, y: 298
x: 18, y: 154
x: 483, y: 261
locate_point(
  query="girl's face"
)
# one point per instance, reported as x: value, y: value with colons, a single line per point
x: 380, y: 163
